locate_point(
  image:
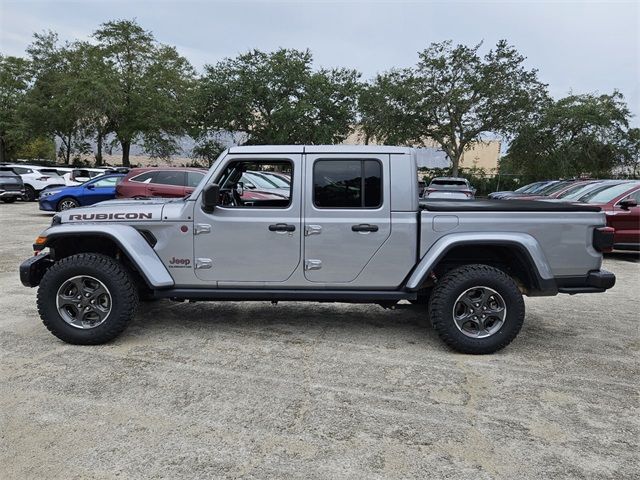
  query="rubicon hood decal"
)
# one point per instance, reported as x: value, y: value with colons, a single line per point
x: 111, y: 216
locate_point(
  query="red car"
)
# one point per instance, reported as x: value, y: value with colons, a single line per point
x: 620, y: 204
x: 159, y: 182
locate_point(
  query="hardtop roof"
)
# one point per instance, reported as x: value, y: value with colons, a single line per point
x: 329, y: 149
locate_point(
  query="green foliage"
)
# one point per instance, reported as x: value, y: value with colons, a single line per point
x: 207, y: 151
x: 15, y: 79
x: 453, y: 96
x: 576, y: 135
x: 276, y: 98
x: 39, y: 148
x: 149, y: 85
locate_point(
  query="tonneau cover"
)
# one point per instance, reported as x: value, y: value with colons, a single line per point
x: 488, y: 205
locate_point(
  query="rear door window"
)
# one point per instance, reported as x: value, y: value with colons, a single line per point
x: 194, y: 179
x: 169, y: 177
x: 347, y: 183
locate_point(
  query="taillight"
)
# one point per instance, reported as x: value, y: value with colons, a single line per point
x: 42, y: 179
x: 603, y: 239
x: 431, y: 190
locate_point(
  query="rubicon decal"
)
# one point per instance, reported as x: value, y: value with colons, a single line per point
x: 112, y: 216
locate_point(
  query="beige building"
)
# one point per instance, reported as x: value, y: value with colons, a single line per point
x: 484, y: 154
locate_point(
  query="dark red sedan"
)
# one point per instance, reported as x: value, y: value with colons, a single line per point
x: 620, y: 204
x: 159, y: 182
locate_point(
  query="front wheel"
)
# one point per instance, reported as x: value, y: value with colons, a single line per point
x: 67, y: 203
x: 476, y: 309
x: 87, y: 299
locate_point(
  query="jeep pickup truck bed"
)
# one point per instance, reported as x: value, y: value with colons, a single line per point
x: 351, y: 229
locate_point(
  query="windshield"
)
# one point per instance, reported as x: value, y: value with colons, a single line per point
x: 607, y: 193
x: 525, y: 188
x: 579, y: 191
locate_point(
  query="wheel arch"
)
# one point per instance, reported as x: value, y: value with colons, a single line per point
x: 118, y: 241
x: 518, y: 254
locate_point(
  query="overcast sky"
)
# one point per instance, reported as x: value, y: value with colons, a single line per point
x: 576, y: 46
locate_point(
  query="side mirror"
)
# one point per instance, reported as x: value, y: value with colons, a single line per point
x: 91, y: 187
x: 210, y: 197
x: 627, y: 203
x: 240, y: 189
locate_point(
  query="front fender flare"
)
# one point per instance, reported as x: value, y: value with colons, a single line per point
x: 523, y: 241
x: 130, y: 241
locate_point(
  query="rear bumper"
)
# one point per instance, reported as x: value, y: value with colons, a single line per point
x: 32, y: 270
x: 10, y: 193
x: 596, y: 281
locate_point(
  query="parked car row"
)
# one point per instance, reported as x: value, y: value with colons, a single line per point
x: 37, y: 178
x: 618, y: 199
x: 141, y: 183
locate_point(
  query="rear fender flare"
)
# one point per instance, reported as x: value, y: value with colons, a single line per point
x: 130, y: 241
x: 522, y: 241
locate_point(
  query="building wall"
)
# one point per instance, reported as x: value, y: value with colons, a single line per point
x: 484, y: 154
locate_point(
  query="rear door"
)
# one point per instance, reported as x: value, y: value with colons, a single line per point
x: 347, y: 214
x: 167, y: 183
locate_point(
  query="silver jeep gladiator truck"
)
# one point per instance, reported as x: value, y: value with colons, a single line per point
x: 350, y: 229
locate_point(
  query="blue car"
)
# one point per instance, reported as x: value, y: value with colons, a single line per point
x: 96, y: 190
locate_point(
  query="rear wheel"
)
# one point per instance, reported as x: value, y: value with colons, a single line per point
x: 67, y: 203
x: 87, y: 299
x: 476, y: 309
x: 29, y: 193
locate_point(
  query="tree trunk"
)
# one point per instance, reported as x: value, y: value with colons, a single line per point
x: 3, y: 150
x: 67, y: 153
x: 99, y: 150
x: 126, y: 148
x: 455, y: 164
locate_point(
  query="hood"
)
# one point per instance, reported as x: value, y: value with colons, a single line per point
x: 115, y: 211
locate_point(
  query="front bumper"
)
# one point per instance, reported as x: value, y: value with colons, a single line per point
x: 596, y: 281
x: 33, y: 269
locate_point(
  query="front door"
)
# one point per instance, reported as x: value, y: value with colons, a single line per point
x: 251, y: 238
x: 347, y: 214
x: 99, y: 190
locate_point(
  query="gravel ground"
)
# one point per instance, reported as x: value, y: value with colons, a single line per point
x: 252, y: 390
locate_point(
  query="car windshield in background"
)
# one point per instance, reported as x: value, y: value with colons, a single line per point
x: 607, y: 193
x: 7, y: 172
x: 448, y: 184
x: 49, y: 172
x: 578, y: 190
x: 528, y: 188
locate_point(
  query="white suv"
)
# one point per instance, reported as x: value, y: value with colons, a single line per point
x: 36, y: 178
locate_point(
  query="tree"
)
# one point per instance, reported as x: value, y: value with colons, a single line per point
x: 148, y: 89
x: 276, y: 98
x: 54, y: 106
x: 15, y: 79
x: 576, y: 135
x: 453, y: 96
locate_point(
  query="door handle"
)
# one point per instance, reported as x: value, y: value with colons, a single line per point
x: 364, y: 227
x: 282, y: 227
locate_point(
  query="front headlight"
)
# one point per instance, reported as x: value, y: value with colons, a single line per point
x: 46, y: 194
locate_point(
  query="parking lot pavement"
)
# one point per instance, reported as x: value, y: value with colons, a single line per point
x: 253, y: 390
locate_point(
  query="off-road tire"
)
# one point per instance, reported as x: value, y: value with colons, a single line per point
x: 124, y: 297
x: 457, y: 281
